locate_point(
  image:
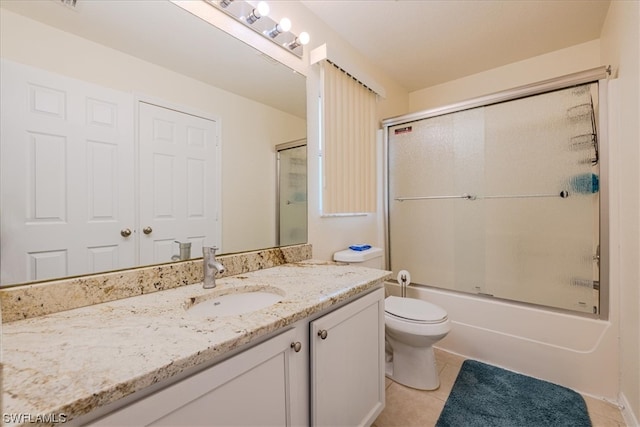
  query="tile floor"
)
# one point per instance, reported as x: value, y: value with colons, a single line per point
x: 407, y: 407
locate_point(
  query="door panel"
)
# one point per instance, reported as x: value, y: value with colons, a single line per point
x: 179, y: 183
x: 501, y: 200
x: 292, y: 193
x: 62, y: 217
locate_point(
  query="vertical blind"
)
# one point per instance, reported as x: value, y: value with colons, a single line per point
x: 349, y: 144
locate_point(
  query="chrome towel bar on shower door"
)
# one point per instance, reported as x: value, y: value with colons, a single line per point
x: 464, y: 196
x: 563, y: 194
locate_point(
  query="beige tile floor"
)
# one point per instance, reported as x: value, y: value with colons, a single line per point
x: 407, y: 407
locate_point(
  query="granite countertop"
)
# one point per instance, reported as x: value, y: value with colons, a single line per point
x: 73, y: 362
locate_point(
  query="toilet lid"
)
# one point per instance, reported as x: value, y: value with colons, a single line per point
x: 414, y: 310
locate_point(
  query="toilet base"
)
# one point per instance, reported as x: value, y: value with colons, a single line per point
x: 413, y: 367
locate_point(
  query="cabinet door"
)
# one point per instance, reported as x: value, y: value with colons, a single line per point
x: 347, y: 363
x: 299, y: 376
x: 250, y: 389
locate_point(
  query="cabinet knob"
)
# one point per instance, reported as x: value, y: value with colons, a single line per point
x: 296, y: 346
x: 125, y: 232
x: 322, y: 333
x: 147, y: 230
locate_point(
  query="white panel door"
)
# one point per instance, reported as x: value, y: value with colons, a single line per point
x: 179, y: 183
x: 67, y: 162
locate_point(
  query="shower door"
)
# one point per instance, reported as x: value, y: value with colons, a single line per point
x: 292, y: 193
x: 501, y: 200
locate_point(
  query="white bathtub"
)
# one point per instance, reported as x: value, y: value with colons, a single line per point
x: 573, y: 351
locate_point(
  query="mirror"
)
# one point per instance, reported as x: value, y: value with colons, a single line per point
x: 155, y: 52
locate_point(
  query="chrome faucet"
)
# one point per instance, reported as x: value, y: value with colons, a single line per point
x: 185, y: 251
x: 210, y: 266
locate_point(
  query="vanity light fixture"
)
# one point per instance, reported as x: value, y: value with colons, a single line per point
x: 261, y: 10
x: 282, y: 27
x: 301, y: 40
x: 255, y: 16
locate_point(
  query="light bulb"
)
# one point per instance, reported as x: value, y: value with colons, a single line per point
x: 262, y: 9
x: 282, y: 27
x: 285, y: 25
x: 304, y: 38
x: 301, y: 40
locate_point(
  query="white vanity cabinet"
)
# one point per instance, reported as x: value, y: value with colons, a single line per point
x: 347, y: 363
x: 250, y: 389
x: 296, y: 378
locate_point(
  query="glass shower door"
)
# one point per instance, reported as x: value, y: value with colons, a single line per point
x: 541, y: 204
x: 434, y: 232
x: 292, y: 194
x: 501, y: 200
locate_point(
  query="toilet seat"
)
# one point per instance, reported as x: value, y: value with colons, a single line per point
x: 414, y: 310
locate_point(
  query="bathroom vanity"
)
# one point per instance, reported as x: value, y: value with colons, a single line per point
x: 315, y: 357
x: 268, y: 384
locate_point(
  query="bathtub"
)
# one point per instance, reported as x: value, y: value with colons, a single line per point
x: 576, y: 352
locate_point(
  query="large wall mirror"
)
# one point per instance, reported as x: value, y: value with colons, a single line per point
x: 150, y: 58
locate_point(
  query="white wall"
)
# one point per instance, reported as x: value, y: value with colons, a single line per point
x: 244, y: 184
x: 331, y: 234
x: 328, y: 234
x: 561, y: 62
x: 620, y: 41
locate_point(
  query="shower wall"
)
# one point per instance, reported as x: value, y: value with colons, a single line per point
x: 501, y: 200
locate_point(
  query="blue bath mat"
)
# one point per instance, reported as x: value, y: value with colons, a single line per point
x: 488, y: 396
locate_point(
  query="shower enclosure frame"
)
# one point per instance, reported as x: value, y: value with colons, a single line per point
x: 599, y: 75
x: 279, y: 149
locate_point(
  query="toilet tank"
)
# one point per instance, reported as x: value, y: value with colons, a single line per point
x: 368, y: 258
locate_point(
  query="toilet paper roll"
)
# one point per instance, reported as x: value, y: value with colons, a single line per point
x: 404, y: 278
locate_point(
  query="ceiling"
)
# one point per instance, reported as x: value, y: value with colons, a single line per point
x: 418, y: 43
x: 421, y: 43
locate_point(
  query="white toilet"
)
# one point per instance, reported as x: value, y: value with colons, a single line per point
x: 412, y: 326
x: 369, y: 258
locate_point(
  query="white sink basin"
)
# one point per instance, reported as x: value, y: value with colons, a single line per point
x: 234, y: 304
